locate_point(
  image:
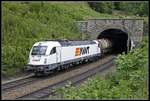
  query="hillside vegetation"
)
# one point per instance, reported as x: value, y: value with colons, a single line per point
x: 24, y: 23
x: 130, y: 8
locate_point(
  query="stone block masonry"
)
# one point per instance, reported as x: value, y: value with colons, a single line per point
x: 93, y: 27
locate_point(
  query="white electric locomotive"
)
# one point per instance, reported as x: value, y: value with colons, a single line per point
x: 47, y: 56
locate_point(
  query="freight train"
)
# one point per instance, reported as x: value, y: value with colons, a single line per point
x: 50, y: 55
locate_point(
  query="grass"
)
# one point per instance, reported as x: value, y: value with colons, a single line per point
x: 24, y: 23
x: 130, y: 81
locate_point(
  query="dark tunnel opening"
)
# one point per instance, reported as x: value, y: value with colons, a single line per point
x: 117, y: 37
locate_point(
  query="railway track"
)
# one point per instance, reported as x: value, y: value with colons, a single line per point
x: 26, y: 80
x: 75, y: 80
x: 16, y: 83
x: 45, y: 91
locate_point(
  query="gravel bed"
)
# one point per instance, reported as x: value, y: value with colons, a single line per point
x: 13, y: 94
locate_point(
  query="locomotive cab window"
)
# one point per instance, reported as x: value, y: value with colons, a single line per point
x: 39, y: 50
x: 53, y: 50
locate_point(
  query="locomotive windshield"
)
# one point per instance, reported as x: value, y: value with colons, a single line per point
x: 39, y: 50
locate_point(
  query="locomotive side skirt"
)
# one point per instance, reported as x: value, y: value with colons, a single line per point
x: 49, y: 67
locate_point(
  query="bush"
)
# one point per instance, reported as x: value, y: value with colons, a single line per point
x: 139, y: 8
x: 102, y: 7
x: 130, y: 81
x: 136, y: 8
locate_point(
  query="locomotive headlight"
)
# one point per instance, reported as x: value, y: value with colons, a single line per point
x: 45, y: 61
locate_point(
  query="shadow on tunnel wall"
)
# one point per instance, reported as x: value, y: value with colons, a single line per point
x: 117, y: 37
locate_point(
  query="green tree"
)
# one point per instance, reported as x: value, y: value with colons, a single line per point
x: 102, y: 7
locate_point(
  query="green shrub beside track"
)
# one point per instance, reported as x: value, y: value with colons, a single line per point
x: 130, y: 81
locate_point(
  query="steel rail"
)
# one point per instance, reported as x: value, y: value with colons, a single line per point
x: 46, y: 91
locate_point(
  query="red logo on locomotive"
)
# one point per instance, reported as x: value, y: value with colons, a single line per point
x: 81, y: 51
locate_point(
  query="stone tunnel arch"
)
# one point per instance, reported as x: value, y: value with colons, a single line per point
x: 115, y: 26
x: 132, y: 27
x: 118, y: 37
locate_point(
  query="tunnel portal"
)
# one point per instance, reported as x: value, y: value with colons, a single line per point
x: 117, y: 37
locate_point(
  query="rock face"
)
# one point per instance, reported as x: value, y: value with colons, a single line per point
x: 93, y: 27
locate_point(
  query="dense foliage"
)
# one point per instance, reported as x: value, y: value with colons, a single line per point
x: 24, y: 23
x: 130, y: 81
x: 102, y: 7
x: 137, y: 8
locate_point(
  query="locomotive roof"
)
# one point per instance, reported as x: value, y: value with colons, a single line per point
x: 76, y: 42
x: 66, y: 42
